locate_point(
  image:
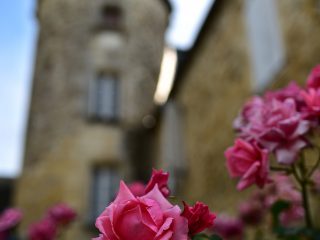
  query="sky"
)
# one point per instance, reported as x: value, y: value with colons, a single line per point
x: 18, y: 34
x: 17, y: 38
x: 187, y: 19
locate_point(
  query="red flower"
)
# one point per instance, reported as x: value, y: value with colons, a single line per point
x: 312, y: 99
x: 62, y: 213
x: 252, y: 212
x: 229, y: 228
x: 313, y: 80
x: 199, y: 217
x: 45, y: 229
x: 159, y: 178
x: 249, y: 162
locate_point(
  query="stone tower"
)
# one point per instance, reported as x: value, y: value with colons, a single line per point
x: 95, y: 74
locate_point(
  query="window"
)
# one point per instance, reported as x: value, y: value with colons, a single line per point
x: 266, y: 45
x: 172, y: 150
x: 111, y: 17
x: 105, y: 185
x: 103, y: 98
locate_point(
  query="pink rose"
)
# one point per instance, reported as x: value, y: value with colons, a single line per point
x: 252, y: 212
x: 313, y: 80
x: 293, y: 216
x: 137, y: 188
x: 312, y: 100
x: 285, y: 189
x: 279, y: 127
x: 150, y: 217
x: 229, y: 228
x: 45, y: 229
x: 249, y: 162
x: 62, y: 213
x: 159, y: 178
x: 9, y: 219
x: 252, y: 110
x: 199, y: 217
x: 292, y: 91
x: 280, y: 188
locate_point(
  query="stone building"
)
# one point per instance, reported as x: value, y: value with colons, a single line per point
x: 244, y: 48
x: 96, y: 70
x: 92, y: 116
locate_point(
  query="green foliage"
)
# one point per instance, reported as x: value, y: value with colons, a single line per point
x: 276, y: 209
x: 286, y: 233
x: 205, y: 237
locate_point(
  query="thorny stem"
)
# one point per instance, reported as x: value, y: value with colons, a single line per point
x: 295, y: 173
x: 306, y: 204
x: 315, y: 166
x: 281, y: 169
x: 303, y: 181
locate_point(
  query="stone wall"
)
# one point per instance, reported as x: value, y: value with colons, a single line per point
x: 213, y: 87
x: 218, y: 79
x: 63, y: 145
x: 300, y: 23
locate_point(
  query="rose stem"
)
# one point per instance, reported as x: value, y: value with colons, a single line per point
x: 305, y: 196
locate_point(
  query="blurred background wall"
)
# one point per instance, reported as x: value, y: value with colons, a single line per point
x: 111, y: 98
x: 244, y: 48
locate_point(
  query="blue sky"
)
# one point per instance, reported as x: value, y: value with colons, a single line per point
x: 18, y: 33
x: 187, y: 18
x: 17, y: 38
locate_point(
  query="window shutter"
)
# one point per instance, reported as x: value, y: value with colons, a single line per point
x: 173, y: 152
x: 265, y: 39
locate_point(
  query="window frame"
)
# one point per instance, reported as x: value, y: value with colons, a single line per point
x: 95, y: 100
x: 96, y: 176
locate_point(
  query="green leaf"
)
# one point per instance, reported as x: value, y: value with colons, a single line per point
x: 200, y: 237
x: 276, y: 209
x: 215, y: 237
x: 206, y: 237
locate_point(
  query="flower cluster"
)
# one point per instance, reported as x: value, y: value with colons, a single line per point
x: 144, y: 212
x: 56, y: 218
x: 278, y: 123
x: 48, y: 228
x: 254, y: 211
x: 274, y: 132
